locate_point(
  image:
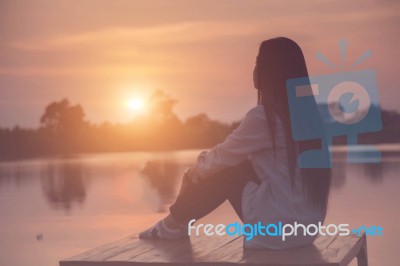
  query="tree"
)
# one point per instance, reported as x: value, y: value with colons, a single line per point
x: 159, y: 127
x: 63, y: 117
x: 64, y: 124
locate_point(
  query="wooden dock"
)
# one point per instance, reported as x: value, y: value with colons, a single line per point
x: 225, y: 250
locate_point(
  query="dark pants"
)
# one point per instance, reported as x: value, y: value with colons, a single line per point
x: 198, y: 200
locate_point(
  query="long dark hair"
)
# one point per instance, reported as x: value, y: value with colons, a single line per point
x: 278, y: 60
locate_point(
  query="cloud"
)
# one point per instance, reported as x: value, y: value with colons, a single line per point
x: 155, y: 35
x: 109, y: 70
x: 306, y: 23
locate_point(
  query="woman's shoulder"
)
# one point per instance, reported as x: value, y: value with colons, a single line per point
x: 257, y: 112
x: 255, y: 119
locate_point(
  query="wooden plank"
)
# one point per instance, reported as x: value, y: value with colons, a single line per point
x: 294, y: 256
x: 323, y: 242
x: 233, y: 252
x: 131, y: 252
x: 224, y: 250
x: 183, y: 251
x: 345, y: 249
x: 134, y: 247
x: 203, y: 248
x: 230, y: 252
x: 362, y: 257
x: 99, y: 250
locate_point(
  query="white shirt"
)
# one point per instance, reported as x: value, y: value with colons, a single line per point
x: 273, y: 200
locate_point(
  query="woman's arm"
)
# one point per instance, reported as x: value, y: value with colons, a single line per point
x: 249, y: 137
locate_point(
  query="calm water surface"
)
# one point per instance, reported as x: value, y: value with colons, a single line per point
x: 53, y: 208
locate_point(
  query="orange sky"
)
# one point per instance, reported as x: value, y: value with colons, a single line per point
x: 99, y: 53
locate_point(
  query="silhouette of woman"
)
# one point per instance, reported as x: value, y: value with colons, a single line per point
x: 255, y: 168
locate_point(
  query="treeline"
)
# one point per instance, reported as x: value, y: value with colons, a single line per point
x: 390, y: 132
x: 64, y: 131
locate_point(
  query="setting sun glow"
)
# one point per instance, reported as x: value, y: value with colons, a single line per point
x: 135, y: 104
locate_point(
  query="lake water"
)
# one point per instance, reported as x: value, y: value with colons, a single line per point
x: 54, y: 208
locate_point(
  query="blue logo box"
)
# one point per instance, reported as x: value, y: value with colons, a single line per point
x: 348, y: 105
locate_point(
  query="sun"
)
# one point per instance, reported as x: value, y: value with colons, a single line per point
x: 135, y: 104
